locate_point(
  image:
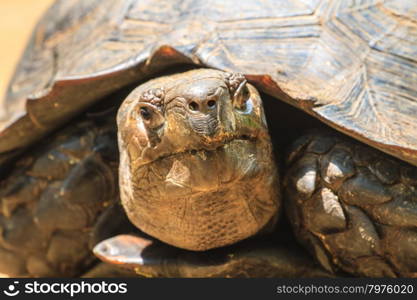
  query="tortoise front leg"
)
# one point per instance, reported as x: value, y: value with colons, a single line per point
x: 353, y: 207
x: 52, y: 199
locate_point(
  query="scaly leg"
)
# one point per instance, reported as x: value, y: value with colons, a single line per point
x: 52, y: 199
x: 353, y: 207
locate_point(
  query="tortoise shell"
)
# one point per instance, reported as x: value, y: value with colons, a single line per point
x: 352, y: 64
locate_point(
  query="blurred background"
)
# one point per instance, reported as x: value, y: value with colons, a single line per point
x: 17, y: 19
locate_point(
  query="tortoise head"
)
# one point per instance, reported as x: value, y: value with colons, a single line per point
x: 196, y: 166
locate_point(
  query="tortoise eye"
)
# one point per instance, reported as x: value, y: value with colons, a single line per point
x: 145, y: 113
x: 241, y: 96
x: 245, y: 92
x: 151, y: 116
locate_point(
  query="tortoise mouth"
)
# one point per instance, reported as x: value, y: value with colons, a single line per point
x: 204, y: 149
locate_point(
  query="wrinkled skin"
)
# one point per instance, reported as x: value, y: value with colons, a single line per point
x: 196, y: 164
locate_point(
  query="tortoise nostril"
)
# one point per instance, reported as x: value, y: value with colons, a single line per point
x: 211, y: 104
x: 193, y: 106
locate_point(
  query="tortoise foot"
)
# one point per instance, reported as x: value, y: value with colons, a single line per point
x: 355, y: 208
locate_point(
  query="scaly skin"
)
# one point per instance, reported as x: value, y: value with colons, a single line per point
x: 52, y: 199
x: 355, y: 208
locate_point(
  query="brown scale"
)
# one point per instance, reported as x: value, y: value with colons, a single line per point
x: 353, y: 207
x: 50, y: 203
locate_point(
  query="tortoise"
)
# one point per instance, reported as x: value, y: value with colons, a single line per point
x: 216, y: 176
